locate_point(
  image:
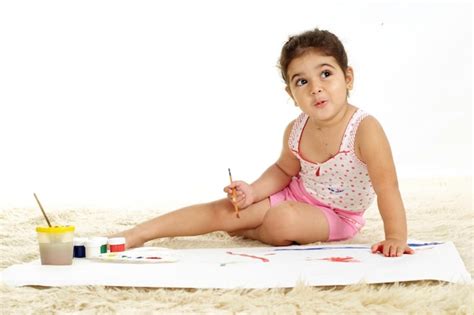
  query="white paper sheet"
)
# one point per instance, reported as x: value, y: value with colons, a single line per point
x: 255, y: 267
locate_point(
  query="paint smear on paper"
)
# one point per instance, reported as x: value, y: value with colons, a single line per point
x: 321, y: 248
x: 250, y: 256
x: 230, y: 263
x: 423, y: 244
x: 340, y: 259
x: 296, y: 248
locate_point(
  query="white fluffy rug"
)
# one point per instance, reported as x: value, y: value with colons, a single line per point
x: 437, y: 209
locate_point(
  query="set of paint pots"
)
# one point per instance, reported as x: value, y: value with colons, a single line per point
x: 94, y: 246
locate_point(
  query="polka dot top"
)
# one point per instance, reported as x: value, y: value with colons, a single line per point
x: 342, y: 182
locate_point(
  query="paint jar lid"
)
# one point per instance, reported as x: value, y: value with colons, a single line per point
x: 101, y: 239
x: 79, y: 241
x: 93, y: 243
x: 116, y: 240
x: 55, y: 229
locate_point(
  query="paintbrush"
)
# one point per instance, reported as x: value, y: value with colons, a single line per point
x: 42, y: 210
x: 234, y: 196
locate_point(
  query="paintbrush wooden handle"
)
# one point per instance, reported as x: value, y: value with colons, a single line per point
x: 236, y: 208
x: 234, y: 196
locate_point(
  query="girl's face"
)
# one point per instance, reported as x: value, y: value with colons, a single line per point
x: 318, y: 86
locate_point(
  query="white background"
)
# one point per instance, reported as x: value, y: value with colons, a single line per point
x: 145, y: 104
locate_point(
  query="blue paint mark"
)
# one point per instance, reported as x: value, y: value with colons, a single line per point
x: 351, y: 247
x: 323, y: 248
x: 423, y: 244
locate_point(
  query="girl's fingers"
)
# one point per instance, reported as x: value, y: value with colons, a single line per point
x: 409, y: 251
x: 391, y: 250
x: 399, y: 252
x: 376, y: 248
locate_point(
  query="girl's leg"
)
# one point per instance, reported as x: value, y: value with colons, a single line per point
x: 290, y: 222
x: 195, y: 220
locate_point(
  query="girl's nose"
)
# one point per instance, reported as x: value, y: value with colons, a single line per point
x: 315, y: 89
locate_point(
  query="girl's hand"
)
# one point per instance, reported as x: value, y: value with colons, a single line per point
x: 392, y: 248
x: 244, y: 194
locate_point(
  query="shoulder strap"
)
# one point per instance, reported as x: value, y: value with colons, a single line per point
x: 351, y: 130
x: 295, y: 135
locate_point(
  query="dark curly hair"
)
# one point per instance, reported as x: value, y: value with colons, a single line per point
x: 321, y: 40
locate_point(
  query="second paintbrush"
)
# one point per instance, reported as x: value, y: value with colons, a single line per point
x: 234, y: 196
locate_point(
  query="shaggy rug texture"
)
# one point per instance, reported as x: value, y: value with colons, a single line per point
x: 437, y: 210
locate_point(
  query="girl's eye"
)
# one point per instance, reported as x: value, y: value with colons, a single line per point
x: 301, y: 82
x: 325, y: 74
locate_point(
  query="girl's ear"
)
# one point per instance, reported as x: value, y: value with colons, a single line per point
x: 349, y: 78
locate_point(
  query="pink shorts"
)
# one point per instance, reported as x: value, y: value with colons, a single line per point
x: 343, y: 224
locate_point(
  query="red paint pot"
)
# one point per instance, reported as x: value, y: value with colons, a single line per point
x: 117, y: 244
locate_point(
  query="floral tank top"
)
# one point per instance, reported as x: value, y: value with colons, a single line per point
x: 342, y: 182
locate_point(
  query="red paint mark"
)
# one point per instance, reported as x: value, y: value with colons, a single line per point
x: 340, y: 259
x: 153, y: 257
x: 251, y: 256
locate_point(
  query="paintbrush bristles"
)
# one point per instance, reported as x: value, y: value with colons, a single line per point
x: 42, y: 210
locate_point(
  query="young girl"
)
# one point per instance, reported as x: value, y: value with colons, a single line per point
x: 335, y: 159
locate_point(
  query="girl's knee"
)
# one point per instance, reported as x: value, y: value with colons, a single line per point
x: 281, y: 216
x: 279, y: 224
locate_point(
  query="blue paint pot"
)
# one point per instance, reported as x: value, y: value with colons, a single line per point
x: 79, y: 247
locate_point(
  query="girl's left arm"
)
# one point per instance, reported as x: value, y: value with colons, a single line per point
x: 373, y: 148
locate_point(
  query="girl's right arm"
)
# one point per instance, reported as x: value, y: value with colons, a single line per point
x: 274, y: 179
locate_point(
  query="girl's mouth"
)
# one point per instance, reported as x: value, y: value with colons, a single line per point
x: 320, y: 104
